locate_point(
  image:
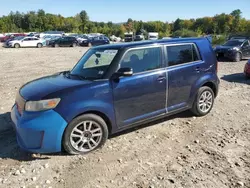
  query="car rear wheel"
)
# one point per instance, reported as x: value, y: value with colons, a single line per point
x: 39, y: 45
x: 237, y: 57
x: 204, y: 101
x: 17, y: 45
x: 85, y: 134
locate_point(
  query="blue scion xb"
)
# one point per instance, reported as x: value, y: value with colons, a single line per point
x: 113, y: 88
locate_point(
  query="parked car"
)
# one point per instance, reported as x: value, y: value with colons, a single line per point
x: 7, y: 37
x: 48, y: 38
x: 81, y: 38
x: 247, y: 69
x: 25, y: 42
x: 114, y: 38
x: 234, y: 50
x: 113, y: 88
x: 63, y: 42
x: 6, y: 44
x: 54, y: 33
x: 95, y: 41
x: 231, y: 37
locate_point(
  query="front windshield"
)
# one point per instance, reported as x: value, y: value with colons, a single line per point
x: 233, y: 43
x: 94, y: 64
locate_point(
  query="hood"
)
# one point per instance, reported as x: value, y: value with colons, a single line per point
x: 40, y: 88
x: 13, y: 41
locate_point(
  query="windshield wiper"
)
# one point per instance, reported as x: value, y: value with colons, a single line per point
x: 82, y: 77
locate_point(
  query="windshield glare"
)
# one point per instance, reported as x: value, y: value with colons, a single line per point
x: 94, y: 63
x: 233, y: 43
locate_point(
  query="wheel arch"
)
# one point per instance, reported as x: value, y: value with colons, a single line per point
x: 101, y: 114
x: 211, y: 85
x: 208, y: 80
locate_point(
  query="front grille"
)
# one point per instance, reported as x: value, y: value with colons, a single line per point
x: 20, y: 103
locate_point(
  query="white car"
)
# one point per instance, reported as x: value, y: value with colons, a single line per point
x: 21, y: 42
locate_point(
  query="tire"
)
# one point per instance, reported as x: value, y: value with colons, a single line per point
x: 74, y: 45
x: 39, y: 45
x: 198, y: 105
x: 237, y: 57
x: 17, y: 45
x: 89, y: 44
x: 76, y: 141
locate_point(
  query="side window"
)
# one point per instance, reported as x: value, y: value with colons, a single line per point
x: 196, y: 55
x: 246, y: 44
x: 141, y: 60
x: 180, y: 54
x: 27, y: 39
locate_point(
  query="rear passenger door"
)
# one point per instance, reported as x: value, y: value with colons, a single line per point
x: 34, y: 42
x: 184, y: 66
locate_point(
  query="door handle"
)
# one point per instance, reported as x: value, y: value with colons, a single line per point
x: 197, y: 69
x: 161, y: 78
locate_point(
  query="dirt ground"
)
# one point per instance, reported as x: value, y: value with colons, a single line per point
x: 179, y: 151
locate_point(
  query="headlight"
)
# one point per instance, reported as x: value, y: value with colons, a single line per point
x: 235, y: 48
x: 35, y: 106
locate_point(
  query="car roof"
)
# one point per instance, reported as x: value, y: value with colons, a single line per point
x: 150, y: 42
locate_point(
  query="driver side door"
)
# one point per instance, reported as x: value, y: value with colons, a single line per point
x: 143, y: 95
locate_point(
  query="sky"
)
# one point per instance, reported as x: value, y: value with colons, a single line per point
x: 119, y: 11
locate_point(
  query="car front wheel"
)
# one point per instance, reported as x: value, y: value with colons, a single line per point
x: 204, y: 101
x: 85, y: 134
x: 17, y: 45
x: 237, y: 57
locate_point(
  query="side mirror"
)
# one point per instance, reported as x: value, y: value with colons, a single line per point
x: 126, y: 71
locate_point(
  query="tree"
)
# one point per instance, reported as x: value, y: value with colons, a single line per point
x: 129, y: 25
x: 84, y: 21
x: 41, y: 21
x: 178, y: 24
x: 236, y: 21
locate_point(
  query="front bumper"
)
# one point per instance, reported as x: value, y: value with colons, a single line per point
x: 39, y: 132
x: 227, y: 54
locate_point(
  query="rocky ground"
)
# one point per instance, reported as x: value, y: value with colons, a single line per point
x: 179, y: 151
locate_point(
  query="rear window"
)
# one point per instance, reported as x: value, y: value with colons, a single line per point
x: 180, y: 54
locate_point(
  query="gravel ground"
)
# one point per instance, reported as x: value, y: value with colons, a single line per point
x: 179, y: 151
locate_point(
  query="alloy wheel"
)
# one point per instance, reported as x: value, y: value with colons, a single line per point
x: 86, y: 136
x: 205, y: 101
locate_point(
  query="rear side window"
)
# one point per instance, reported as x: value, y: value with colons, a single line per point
x: 181, y: 54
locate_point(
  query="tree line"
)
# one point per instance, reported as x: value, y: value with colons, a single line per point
x: 39, y: 21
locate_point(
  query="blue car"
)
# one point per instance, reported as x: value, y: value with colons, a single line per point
x: 113, y: 88
x: 95, y: 41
